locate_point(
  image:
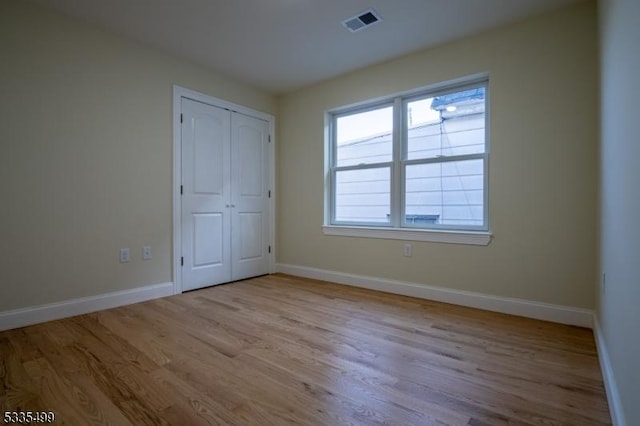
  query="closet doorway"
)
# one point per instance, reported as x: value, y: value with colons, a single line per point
x: 224, y: 193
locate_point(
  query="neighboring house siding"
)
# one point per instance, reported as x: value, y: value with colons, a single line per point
x: 445, y: 193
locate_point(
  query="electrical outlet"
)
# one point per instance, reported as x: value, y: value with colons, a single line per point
x: 125, y: 255
x: 408, y: 250
x: 146, y: 253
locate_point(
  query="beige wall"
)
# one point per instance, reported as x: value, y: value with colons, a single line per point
x: 543, y: 82
x: 86, y: 152
x: 86, y: 156
x: 618, y: 308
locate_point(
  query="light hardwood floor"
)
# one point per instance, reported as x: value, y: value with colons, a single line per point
x: 279, y: 350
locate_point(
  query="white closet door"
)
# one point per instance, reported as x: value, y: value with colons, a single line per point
x: 249, y: 197
x: 206, y: 212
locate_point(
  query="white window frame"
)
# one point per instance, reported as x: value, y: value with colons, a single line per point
x: 397, y: 229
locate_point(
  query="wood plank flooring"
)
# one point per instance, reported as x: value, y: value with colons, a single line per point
x: 280, y: 350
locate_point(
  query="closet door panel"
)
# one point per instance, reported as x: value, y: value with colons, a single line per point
x: 206, y: 215
x: 250, y: 226
x: 250, y: 165
x: 208, y: 229
x: 249, y: 221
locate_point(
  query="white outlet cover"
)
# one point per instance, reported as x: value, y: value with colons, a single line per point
x: 125, y: 255
x: 146, y: 253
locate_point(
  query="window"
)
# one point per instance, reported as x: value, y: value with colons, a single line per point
x: 414, y: 162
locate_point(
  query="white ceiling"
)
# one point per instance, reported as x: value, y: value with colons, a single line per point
x: 282, y: 45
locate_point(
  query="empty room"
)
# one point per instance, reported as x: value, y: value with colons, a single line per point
x: 272, y: 212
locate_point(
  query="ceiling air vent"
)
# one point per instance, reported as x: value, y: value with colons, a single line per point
x: 365, y: 19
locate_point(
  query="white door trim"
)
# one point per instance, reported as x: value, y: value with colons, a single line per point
x: 179, y: 93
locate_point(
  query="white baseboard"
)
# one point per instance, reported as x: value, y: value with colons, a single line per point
x: 84, y: 305
x: 613, y: 397
x: 543, y: 311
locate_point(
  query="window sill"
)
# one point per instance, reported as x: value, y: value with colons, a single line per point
x: 477, y: 238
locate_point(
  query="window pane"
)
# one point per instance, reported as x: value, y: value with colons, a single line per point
x: 448, y: 193
x: 363, y: 195
x: 364, y: 138
x: 446, y: 125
